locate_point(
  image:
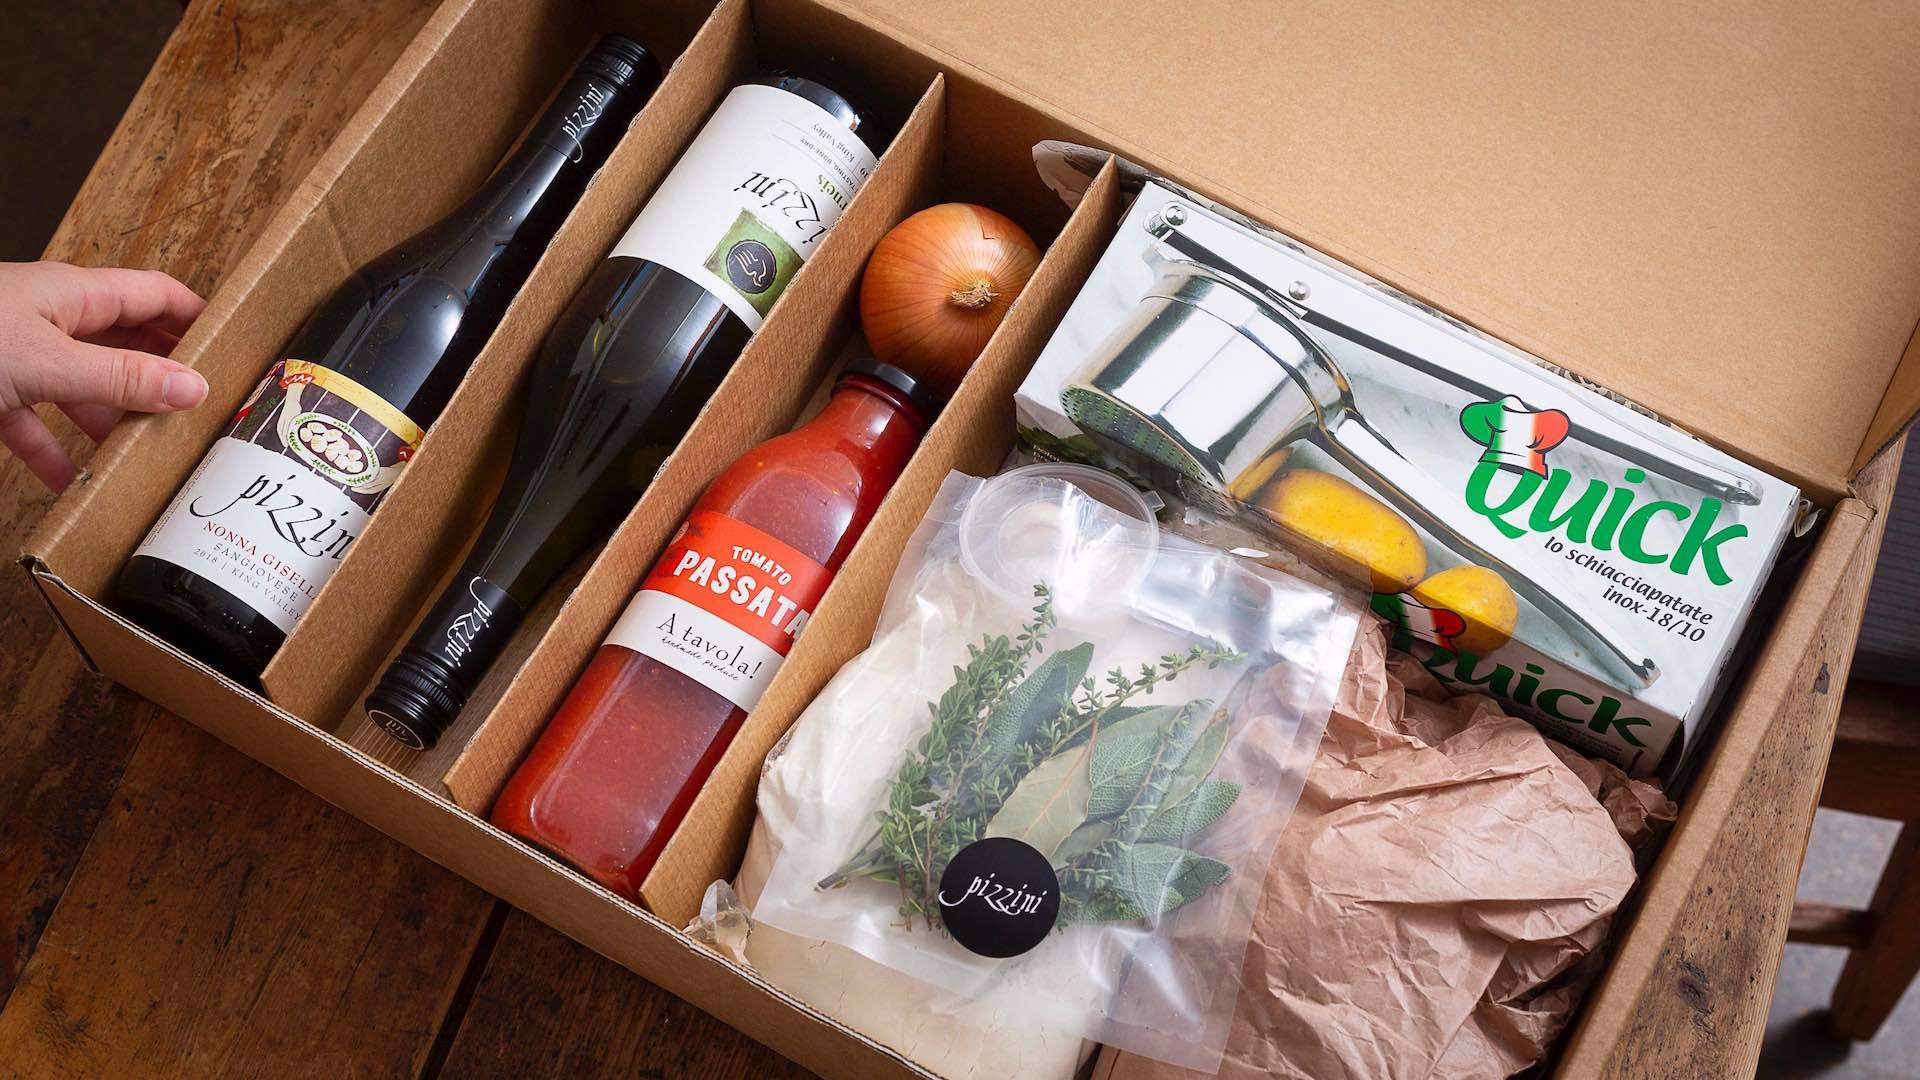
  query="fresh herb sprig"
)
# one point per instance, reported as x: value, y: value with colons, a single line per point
x: 1106, y: 788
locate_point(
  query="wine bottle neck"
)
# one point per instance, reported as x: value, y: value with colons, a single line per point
x: 522, y: 201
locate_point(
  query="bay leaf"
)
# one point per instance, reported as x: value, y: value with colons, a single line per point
x: 1048, y: 804
x: 1082, y: 841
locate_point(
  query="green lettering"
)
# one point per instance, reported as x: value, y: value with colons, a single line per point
x: 1703, y: 543
x: 1577, y: 517
x: 1549, y: 703
x: 1495, y: 681
x: 1633, y: 537
x: 1528, y: 684
x: 1616, y: 509
x: 1479, y: 486
x: 1608, y: 716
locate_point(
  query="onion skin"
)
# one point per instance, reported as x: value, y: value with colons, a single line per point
x: 938, y: 286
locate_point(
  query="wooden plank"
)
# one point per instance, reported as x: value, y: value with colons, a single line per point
x: 1879, y: 971
x: 546, y: 1006
x: 1876, y: 753
x: 1827, y: 924
x: 243, y: 99
x: 223, y: 921
x: 1703, y: 1012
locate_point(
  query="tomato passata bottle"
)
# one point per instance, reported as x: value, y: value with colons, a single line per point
x: 629, y: 749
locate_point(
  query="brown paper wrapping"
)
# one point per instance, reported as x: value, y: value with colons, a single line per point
x: 1434, y: 906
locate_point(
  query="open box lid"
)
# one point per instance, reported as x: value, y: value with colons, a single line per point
x: 1714, y: 214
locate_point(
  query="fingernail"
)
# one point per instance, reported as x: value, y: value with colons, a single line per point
x: 183, y: 389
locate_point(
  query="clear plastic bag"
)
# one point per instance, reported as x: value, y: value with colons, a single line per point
x: 1052, y: 785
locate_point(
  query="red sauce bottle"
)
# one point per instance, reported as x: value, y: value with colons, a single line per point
x: 620, y: 763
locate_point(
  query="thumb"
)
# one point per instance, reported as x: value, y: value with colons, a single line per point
x: 80, y: 373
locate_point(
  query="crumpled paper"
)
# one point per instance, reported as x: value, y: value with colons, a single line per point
x: 1435, y: 905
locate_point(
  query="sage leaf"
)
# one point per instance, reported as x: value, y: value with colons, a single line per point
x: 1047, y: 805
x: 1201, y: 757
x: 1115, y: 716
x: 1123, y: 754
x: 1080, y: 904
x: 1206, y: 805
x: 1038, y: 699
x: 1158, y: 878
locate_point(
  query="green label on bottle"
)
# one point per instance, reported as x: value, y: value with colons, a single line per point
x: 755, y: 261
x: 749, y: 201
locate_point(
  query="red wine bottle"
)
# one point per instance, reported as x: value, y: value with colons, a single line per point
x: 626, y: 369
x: 234, y: 562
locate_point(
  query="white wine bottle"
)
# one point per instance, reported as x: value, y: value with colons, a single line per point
x: 626, y: 369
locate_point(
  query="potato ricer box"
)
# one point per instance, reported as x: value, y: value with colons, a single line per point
x: 1529, y: 537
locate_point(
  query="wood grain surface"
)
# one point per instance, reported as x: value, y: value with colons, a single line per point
x: 1704, y: 1011
x: 238, y: 106
x: 546, y: 1006
x: 169, y: 907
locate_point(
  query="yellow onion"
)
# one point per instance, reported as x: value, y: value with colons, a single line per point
x: 939, y: 284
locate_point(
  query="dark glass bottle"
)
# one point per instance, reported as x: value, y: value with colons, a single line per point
x: 626, y: 369
x: 233, y: 563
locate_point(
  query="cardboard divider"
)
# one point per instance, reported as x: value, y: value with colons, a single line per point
x: 972, y: 435
x: 775, y: 376
x: 387, y: 578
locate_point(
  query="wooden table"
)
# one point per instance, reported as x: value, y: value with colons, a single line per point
x: 167, y: 905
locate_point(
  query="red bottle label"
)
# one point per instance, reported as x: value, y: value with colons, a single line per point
x: 723, y: 606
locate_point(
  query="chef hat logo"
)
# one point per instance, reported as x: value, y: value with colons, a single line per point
x: 1437, y: 625
x: 1517, y: 435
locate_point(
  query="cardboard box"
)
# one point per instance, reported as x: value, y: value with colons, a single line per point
x: 1647, y: 197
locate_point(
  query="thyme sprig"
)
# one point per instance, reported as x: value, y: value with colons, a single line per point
x: 996, y: 725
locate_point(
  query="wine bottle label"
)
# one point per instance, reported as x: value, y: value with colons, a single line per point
x: 282, y: 495
x: 723, y: 606
x: 751, y: 198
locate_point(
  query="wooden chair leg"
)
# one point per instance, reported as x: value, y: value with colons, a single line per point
x: 1878, y: 971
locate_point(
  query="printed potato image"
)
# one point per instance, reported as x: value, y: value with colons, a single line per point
x: 1480, y: 596
x: 1363, y: 535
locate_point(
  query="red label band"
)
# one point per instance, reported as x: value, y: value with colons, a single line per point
x: 736, y: 573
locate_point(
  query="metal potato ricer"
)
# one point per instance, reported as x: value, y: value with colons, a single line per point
x: 1214, y: 372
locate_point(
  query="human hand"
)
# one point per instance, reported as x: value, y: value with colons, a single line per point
x: 94, y: 342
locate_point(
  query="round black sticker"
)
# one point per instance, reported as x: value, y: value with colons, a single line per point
x: 751, y: 266
x: 999, y: 897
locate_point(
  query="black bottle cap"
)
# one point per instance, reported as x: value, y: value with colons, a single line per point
x: 623, y: 61
x: 426, y: 686
x: 919, y: 392
x: 416, y: 701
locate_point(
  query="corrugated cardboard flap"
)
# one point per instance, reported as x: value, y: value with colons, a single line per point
x: 1897, y: 408
x: 1714, y: 214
